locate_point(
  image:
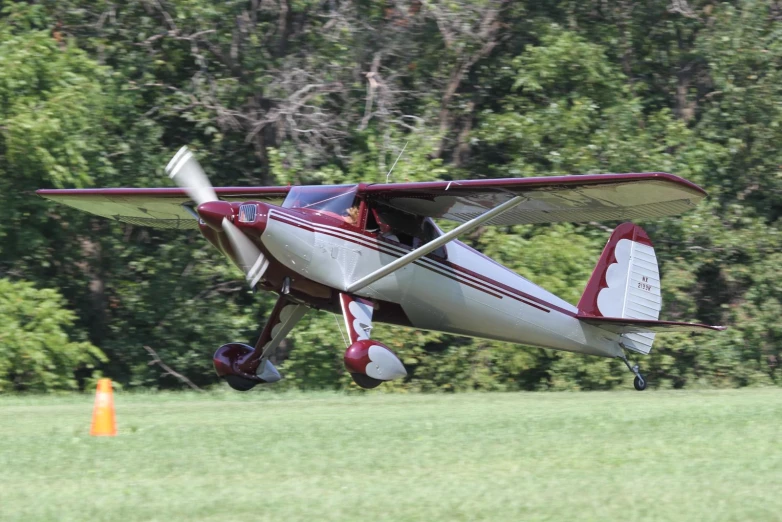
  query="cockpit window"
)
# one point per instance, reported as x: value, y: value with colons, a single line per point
x: 430, y: 232
x: 329, y: 199
x: 405, y: 228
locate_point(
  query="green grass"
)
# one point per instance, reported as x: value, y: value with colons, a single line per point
x: 692, y: 456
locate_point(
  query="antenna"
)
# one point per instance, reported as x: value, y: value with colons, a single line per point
x: 397, y: 159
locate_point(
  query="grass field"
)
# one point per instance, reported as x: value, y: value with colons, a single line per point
x: 709, y: 455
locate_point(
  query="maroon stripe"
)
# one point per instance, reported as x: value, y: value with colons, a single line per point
x: 460, y: 281
x: 374, y: 247
x: 443, y: 265
x: 533, y: 305
x: 505, y: 290
x: 377, y: 248
x: 332, y: 234
x: 335, y: 234
x: 510, y: 289
x: 361, y: 238
x: 468, y: 276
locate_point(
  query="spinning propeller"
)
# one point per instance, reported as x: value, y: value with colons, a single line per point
x: 186, y: 172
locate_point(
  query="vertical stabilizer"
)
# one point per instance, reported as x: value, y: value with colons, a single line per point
x: 626, y: 283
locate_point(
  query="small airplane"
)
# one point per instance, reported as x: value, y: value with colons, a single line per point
x: 373, y: 253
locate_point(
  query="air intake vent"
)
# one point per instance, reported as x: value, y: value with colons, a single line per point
x: 247, y: 213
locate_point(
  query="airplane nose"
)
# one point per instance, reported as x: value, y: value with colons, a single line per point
x: 213, y: 213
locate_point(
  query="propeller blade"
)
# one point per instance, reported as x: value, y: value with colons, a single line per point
x: 186, y: 172
x: 253, y: 262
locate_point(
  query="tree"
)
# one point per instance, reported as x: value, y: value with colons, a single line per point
x: 36, y: 352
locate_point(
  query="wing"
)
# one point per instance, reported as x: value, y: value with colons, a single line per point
x: 599, y: 197
x: 153, y: 207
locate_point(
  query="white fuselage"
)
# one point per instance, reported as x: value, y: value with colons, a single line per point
x: 465, y: 294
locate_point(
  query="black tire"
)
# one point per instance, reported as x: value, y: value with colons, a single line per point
x: 365, y: 381
x: 639, y: 383
x: 239, y: 383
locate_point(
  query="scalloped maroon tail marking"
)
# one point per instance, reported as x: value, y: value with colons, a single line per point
x: 587, y: 305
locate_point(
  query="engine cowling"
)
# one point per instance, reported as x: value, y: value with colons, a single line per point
x: 370, y: 363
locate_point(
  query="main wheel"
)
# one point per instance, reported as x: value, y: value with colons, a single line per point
x: 239, y: 383
x: 365, y: 381
x: 639, y: 382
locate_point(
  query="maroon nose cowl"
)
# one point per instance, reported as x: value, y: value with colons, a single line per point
x: 213, y: 213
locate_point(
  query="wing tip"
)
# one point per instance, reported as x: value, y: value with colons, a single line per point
x: 681, y: 181
x: 46, y: 193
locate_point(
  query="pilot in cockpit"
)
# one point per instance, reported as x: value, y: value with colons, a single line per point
x: 404, y: 228
x: 352, y: 216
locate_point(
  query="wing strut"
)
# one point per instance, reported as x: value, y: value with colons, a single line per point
x: 434, y: 245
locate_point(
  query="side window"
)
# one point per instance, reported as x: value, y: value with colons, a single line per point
x: 430, y: 232
x: 372, y: 224
x: 407, y: 229
x: 397, y: 226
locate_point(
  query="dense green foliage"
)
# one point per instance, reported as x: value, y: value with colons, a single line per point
x: 308, y: 91
x: 37, y: 354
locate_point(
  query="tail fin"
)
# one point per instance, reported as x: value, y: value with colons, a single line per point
x: 625, y: 284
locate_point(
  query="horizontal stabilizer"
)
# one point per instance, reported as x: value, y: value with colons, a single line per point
x: 630, y: 326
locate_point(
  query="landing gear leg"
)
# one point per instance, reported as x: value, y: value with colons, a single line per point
x: 639, y: 382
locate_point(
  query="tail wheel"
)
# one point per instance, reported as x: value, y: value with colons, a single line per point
x: 239, y: 383
x: 365, y: 381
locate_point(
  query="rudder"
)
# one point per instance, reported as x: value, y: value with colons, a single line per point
x: 625, y: 284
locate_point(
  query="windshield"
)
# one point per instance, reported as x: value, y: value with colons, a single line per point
x: 336, y: 199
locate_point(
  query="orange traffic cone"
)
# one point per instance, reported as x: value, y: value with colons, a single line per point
x: 103, y: 421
